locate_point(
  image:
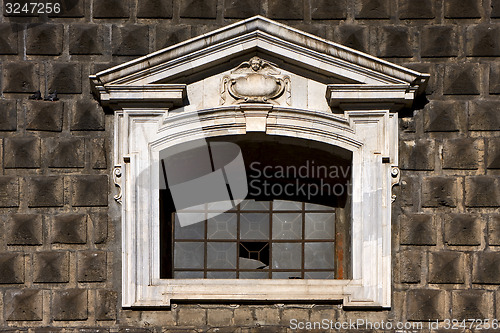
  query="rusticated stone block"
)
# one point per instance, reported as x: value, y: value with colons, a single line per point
x: 417, y: 229
x: 242, y: 8
x: 494, y: 230
x: 417, y: 155
x: 8, y: 115
x: 23, y: 304
x: 8, y: 38
x: 70, y: 304
x: 65, y: 78
x: 44, y: 39
x: 89, y: 190
x: 352, y: 36
x: 462, y: 8
x: 130, y: 40
x: 65, y: 152
x: 99, y: 153
x: 106, y: 304
x: 51, y: 267
x: 22, y: 152
x: 286, y: 9
x: 92, y: 266
x: 410, y: 266
x: 484, y: 116
x: 45, y: 191
x: 44, y: 116
x: 192, y: 317
x: 486, y: 268
x: 482, y: 191
x: 87, y: 115
x: 100, y: 223
x: 406, y: 190
x: 70, y: 8
x: 462, y: 229
x: 410, y: 9
x: 439, y: 41
x: 493, y: 153
x: 446, y: 267
x: 20, y: 77
x: 463, y: 79
x: 444, y: 116
x: 171, y: 35
x: 372, y: 9
x: 24, y: 229
x: 468, y: 304
x: 11, y: 268
x: 462, y: 153
x: 69, y: 229
x: 9, y: 191
x: 154, y: 9
x: 495, y: 8
x: 86, y: 39
x: 394, y: 42
x: 205, y: 9
x: 426, y: 304
x: 328, y: 9
x: 483, y: 41
x: 494, y: 78
x: 111, y: 8
x: 439, y: 191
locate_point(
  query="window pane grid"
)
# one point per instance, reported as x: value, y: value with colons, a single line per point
x: 296, y: 234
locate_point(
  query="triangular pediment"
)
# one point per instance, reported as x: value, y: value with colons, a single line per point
x: 224, y: 49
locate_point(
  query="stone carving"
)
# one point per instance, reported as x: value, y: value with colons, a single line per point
x: 117, y: 179
x: 396, y: 176
x: 255, y: 81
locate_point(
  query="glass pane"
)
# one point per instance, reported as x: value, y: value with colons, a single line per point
x: 190, y: 231
x: 188, y: 255
x: 287, y: 255
x: 320, y: 226
x: 310, y: 206
x: 220, y: 206
x: 286, y: 205
x: 287, y: 226
x: 319, y: 255
x: 319, y: 275
x: 221, y: 255
x: 286, y: 275
x: 188, y: 275
x: 222, y: 226
x: 254, y: 275
x: 247, y: 205
x: 254, y: 226
x: 221, y: 275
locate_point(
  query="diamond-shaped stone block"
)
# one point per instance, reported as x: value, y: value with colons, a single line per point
x: 86, y: 39
x: 44, y: 39
x: 8, y: 115
x: 463, y: 79
x: 372, y: 9
x: 471, y: 304
x: 462, y: 229
x: 106, y: 304
x: 45, y: 191
x: 91, y: 190
x: 87, y: 115
x: 65, y: 152
x: 395, y: 42
x: 439, y: 41
x: 70, y: 8
x: 91, y: 266
x: 494, y: 230
x: 70, y: 304
x: 483, y: 41
x: 484, y: 116
x: 486, y: 268
x: 20, y: 77
x: 410, y: 9
x: 11, y: 268
x: 439, y: 191
x: 51, y: 267
x: 130, y: 40
x: 111, y: 8
x: 446, y: 267
x: 444, y: 116
x: 23, y: 304
x: 462, y: 153
x: 462, y: 8
x: 22, y: 152
x: 69, y: 229
x: 242, y: 8
x: 9, y: 191
x: 328, y: 9
x: 65, y: 78
x: 410, y: 266
x: 24, y: 229
x: 352, y: 36
x: 44, y: 116
x: 8, y: 38
x: 482, y: 191
x: 154, y: 9
x: 206, y: 9
x: 425, y: 304
x: 417, y: 155
x: 417, y: 229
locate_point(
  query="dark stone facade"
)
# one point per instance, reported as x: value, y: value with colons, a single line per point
x: 60, y: 245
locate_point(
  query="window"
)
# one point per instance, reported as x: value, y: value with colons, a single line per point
x: 257, y: 78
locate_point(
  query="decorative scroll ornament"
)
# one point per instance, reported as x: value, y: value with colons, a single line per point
x: 396, y: 176
x: 256, y: 81
x: 117, y: 179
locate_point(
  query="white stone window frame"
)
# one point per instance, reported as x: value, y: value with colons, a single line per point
x: 368, y: 128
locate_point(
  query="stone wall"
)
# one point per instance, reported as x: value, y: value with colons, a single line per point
x: 60, y: 231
